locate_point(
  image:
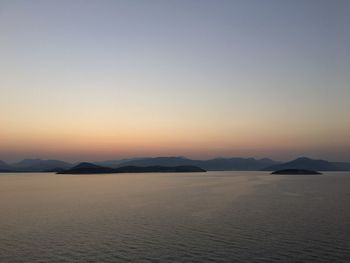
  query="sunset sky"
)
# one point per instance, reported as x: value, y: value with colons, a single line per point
x: 96, y: 80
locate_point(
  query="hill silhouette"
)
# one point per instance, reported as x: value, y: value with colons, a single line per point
x: 306, y: 164
x: 89, y: 168
x: 5, y: 167
x: 39, y: 165
x: 215, y: 164
x: 295, y: 171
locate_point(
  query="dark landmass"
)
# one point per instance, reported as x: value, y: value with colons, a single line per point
x: 89, y: 168
x: 216, y: 164
x: 38, y: 165
x: 237, y: 164
x: 7, y: 171
x: 4, y: 166
x: 34, y: 165
x: 159, y: 169
x: 305, y: 164
x: 116, y: 163
x: 342, y: 166
x: 295, y: 171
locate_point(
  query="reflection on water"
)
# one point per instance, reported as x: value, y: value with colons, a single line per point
x: 214, y: 216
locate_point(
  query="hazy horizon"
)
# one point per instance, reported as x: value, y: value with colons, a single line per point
x: 13, y: 161
x: 99, y: 80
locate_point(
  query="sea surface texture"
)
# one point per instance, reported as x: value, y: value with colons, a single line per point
x: 199, y: 217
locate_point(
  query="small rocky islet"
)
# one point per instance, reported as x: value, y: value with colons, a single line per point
x: 295, y: 171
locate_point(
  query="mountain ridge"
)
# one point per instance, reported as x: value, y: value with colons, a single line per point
x: 214, y: 164
x: 305, y: 163
x: 4, y: 165
x: 90, y: 168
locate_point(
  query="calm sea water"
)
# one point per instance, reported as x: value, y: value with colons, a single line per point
x: 206, y: 217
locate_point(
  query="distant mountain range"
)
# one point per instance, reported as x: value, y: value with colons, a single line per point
x: 90, y: 168
x: 216, y: 164
x: 4, y: 167
x: 310, y: 164
x: 34, y: 165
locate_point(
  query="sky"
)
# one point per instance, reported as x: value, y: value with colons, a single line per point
x: 96, y: 80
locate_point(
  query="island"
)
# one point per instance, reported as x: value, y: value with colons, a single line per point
x: 90, y: 168
x: 295, y: 171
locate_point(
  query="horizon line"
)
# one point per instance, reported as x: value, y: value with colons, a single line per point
x: 166, y: 156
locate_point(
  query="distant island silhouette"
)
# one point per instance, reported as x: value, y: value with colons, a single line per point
x: 306, y: 164
x: 295, y: 171
x: 89, y: 168
x: 215, y: 164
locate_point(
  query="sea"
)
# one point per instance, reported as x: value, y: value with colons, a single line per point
x: 175, y: 217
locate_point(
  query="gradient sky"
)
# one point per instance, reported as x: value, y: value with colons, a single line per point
x: 94, y: 80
